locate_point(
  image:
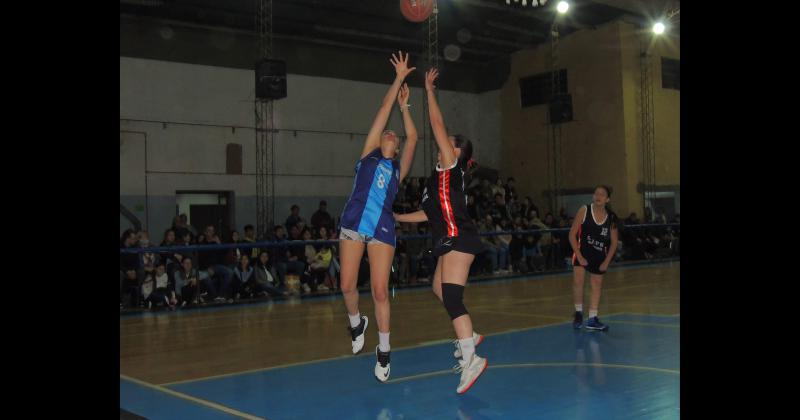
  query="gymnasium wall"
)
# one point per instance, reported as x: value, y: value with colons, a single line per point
x: 602, y: 144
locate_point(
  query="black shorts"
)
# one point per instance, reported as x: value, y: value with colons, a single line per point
x: 593, y: 261
x: 468, y: 243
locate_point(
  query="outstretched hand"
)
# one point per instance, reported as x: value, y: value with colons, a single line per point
x: 402, y: 96
x: 401, y: 65
x: 430, y: 77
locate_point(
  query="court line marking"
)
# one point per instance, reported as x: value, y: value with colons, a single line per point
x: 365, y: 354
x: 489, y: 311
x: 538, y: 365
x: 206, y: 403
x: 648, y: 324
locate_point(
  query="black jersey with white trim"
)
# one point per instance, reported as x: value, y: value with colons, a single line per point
x: 594, y: 237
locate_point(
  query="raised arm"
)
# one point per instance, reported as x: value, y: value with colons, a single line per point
x: 437, y: 121
x: 411, y: 132
x: 374, y: 136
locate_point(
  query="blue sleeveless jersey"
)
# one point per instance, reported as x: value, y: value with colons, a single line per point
x: 369, y: 209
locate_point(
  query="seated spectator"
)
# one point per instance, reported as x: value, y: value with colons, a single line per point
x: 297, y: 253
x: 148, y: 284
x: 515, y: 248
x: 279, y: 255
x: 187, y: 283
x: 159, y: 290
x: 244, y: 282
x: 264, y: 278
x: 511, y: 192
x: 212, y: 261
x: 181, y: 226
x: 562, y: 214
x: 309, y: 254
x: 321, y: 218
x: 526, y: 206
x: 499, y: 188
x: 233, y: 255
x: 147, y: 260
x: 319, y: 266
x: 293, y: 218
x: 250, y: 238
x: 172, y: 259
x: 496, y: 253
x: 504, y: 241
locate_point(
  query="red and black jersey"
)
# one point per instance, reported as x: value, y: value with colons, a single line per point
x: 444, y: 201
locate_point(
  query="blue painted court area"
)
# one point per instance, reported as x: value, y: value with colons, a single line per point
x: 551, y: 372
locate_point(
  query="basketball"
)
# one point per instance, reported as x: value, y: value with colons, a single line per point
x: 416, y: 10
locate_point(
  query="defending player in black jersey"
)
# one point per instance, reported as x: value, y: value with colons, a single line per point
x: 593, y: 237
x: 455, y: 237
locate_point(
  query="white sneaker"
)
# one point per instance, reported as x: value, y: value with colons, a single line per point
x: 306, y: 288
x: 382, y: 366
x: 322, y: 288
x: 470, y: 370
x: 477, y: 338
x: 357, y: 334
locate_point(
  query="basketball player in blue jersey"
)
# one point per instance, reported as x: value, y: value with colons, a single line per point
x: 367, y: 220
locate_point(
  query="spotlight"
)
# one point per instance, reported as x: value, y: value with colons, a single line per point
x: 562, y: 7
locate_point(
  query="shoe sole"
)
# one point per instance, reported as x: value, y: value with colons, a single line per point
x: 366, y: 323
x: 476, y: 378
x: 597, y: 329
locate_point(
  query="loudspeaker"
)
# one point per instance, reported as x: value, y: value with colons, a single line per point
x: 270, y: 79
x: 561, y: 108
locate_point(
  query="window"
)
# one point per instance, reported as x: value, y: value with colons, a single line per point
x: 670, y: 73
x: 535, y: 90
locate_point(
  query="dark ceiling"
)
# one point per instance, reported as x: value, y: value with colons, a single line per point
x: 488, y: 28
x: 474, y: 35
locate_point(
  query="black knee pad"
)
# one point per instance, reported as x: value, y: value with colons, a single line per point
x: 453, y: 299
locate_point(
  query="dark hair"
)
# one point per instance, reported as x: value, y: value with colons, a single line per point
x: 612, y: 216
x: 248, y: 227
x: 161, y: 263
x: 497, y: 195
x: 295, y: 206
x: 465, y: 145
x: 323, y: 203
x: 258, y: 261
x: 511, y: 178
x: 276, y: 227
x: 126, y: 235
